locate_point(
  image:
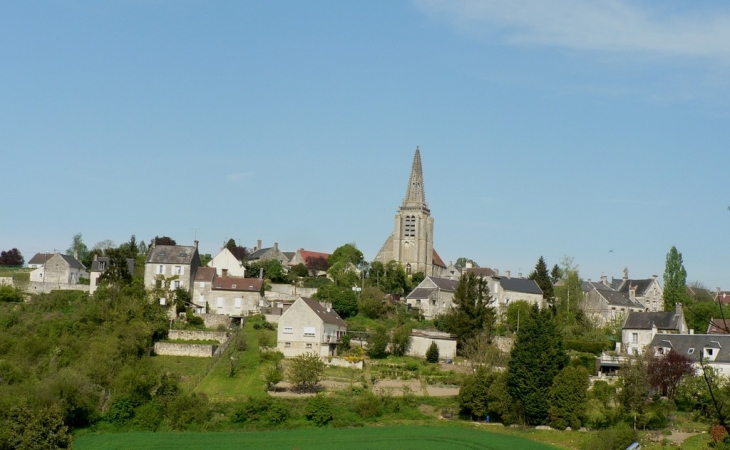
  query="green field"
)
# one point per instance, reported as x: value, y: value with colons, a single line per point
x: 402, y: 438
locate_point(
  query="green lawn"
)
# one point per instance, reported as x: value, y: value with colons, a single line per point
x: 402, y: 438
x: 189, y: 368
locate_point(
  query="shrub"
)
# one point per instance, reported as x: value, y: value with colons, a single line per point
x: 616, y: 438
x: 188, y: 409
x: 432, y: 354
x: 272, y: 376
x: 306, y: 371
x: 264, y: 340
x: 368, y: 405
x: 278, y: 413
x: 121, y: 410
x: 241, y: 344
x: 253, y: 410
x: 588, y: 347
x: 149, y: 416
x: 10, y: 294
x: 378, y: 343
x: 319, y: 410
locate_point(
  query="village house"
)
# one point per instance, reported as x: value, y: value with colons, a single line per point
x: 39, y: 259
x: 602, y: 303
x: 315, y: 261
x: 171, y: 267
x: 231, y: 296
x: 59, y: 269
x: 640, y: 328
x: 227, y: 264
x: 433, y: 296
x: 647, y: 292
x: 713, y: 349
x: 309, y: 326
x: 506, y: 289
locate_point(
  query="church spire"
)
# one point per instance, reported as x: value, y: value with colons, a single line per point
x: 416, y: 194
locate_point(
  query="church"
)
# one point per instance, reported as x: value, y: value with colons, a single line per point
x: 411, y: 242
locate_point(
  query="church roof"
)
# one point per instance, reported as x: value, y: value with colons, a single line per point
x: 437, y: 261
x: 416, y: 193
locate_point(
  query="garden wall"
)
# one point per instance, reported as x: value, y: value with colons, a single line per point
x: 173, y: 349
x: 191, y: 335
x: 213, y: 320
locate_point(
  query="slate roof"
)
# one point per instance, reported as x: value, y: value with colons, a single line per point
x: 171, y: 254
x: 259, y: 253
x: 106, y: 259
x: 237, y: 284
x: 612, y: 297
x: 289, y: 255
x: 645, y: 320
x: 421, y: 293
x: 481, y: 271
x: 326, y: 316
x: 205, y: 274
x: 642, y: 286
x: 72, y: 262
x: 445, y: 284
x: 682, y: 343
x: 437, y: 261
x: 40, y: 258
x: 524, y: 285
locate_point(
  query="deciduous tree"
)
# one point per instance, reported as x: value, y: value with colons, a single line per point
x: 12, y: 257
x: 305, y: 372
x: 665, y: 372
x: 675, y: 280
x: 80, y: 249
x: 343, y: 299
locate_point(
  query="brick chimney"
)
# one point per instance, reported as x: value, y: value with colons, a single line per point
x: 258, y: 245
x: 507, y: 273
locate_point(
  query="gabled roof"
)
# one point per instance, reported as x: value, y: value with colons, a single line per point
x: 481, y: 271
x: 205, y: 274
x: 237, y: 284
x: 612, y: 297
x: 641, y: 286
x: 422, y: 292
x: 721, y: 296
x: 682, y: 343
x: 444, y: 283
x: 259, y: 253
x: 72, y: 262
x: 289, y: 255
x: 172, y: 254
x: 437, y: 261
x: 646, y: 320
x: 328, y: 315
x: 524, y: 285
x: 306, y: 254
x: 718, y: 326
x: 95, y: 266
x: 40, y: 258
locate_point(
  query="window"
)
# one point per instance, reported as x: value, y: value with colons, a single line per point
x: 409, y: 228
x: 308, y: 331
x: 634, y: 337
x: 709, y: 352
x: 309, y: 346
x: 102, y: 265
x: 160, y: 269
x: 287, y: 344
x: 202, y: 284
x: 163, y: 301
x: 177, y: 270
x: 288, y: 330
x: 690, y: 351
x: 233, y: 286
x: 175, y: 284
x: 219, y: 302
x: 237, y: 302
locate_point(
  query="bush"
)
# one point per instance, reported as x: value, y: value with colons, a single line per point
x: 10, y: 294
x: 264, y: 340
x: 432, y: 354
x: 588, y: 347
x: 241, y: 344
x: 319, y: 410
x: 305, y: 372
x: 368, y: 405
x: 253, y: 410
x: 616, y: 438
x: 149, y: 416
x: 378, y: 343
x: 121, y: 410
x: 188, y: 409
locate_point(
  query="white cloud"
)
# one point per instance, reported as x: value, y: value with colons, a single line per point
x: 615, y: 26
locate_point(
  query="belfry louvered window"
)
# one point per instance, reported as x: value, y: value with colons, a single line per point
x: 410, y: 227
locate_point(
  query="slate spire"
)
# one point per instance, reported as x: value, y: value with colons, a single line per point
x: 415, y: 194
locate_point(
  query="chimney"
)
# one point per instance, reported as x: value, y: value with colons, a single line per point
x: 691, y: 331
x: 507, y: 273
x: 276, y: 246
x: 469, y: 265
x: 225, y: 272
x: 604, y: 279
x: 626, y: 273
x: 258, y: 244
x: 632, y: 292
x: 496, y: 272
x: 96, y: 257
x: 76, y: 255
x: 519, y: 275
x: 195, y: 243
x: 261, y: 273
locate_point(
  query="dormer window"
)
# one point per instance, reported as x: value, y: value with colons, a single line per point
x: 233, y: 286
x: 220, y: 285
x: 102, y: 265
x: 690, y: 351
x: 709, y: 351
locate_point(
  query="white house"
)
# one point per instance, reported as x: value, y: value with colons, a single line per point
x: 308, y: 326
x: 227, y: 265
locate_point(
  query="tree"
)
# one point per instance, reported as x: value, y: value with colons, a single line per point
x: 400, y: 340
x: 481, y: 352
x: 343, y: 299
x: 273, y: 375
x: 12, y: 257
x: 462, y: 262
x: 300, y: 270
x: 537, y: 357
x: 556, y: 274
x: 272, y: 269
x: 471, y: 313
x: 372, y: 303
x: 432, y: 354
x: 347, y: 254
x: 417, y: 277
x: 316, y: 264
x: 239, y: 252
x: 118, y: 270
x: 305, y: 372
x: 675, y: 280
x: 666, y: 372
x: 517, y: 312
x: 164, y: 240
x: 569, y: 293
x: 542, y: 278
x: 377, y: 344
x: 474, y: 395
x: 79, y: 249
x: 635, y: 383
x: 568, y: 398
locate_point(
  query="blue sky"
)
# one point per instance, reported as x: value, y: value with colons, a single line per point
x: 596, y: 130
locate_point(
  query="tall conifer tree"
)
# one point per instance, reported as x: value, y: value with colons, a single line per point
x: 542, y: 278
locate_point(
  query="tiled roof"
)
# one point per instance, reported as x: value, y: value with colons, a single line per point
x: 237, y: 284
x: 716, y: 326
x: 328, y: 315
x: 612, y: 297
x: 205, y: 274
x: 171, y: 254
x: 481, y: 271
x: 646, y: 320
x: 437, y: 261
x: 723, y: 297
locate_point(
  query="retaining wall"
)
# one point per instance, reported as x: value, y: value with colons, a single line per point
x: 41, y: 287
x: 213, y: 320
x: 191, y: 335
x: 173, y: 349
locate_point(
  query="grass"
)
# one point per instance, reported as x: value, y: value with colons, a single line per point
x: 218, y: 385
x: 401, y: 437
x: 187, y: 367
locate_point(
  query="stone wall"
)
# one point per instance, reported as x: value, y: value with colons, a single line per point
x: 289, y: 291
x: 192, y: 335
x: 341, y: 362
x: 6, y: 281
x: 503, y: 343
x: 174, y: 349
x: 37, y: 287
x: 213, y: 320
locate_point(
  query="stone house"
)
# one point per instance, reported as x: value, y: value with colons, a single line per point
x: 98, y: 266
x: 602, y: 303
x: 171, y: 266
x: 309, y: 326
x: 264, y: 254
x: 640, y: 328
x: 506, y: 289
x: 308, y: 257
x: 227, y: 265
x: 713, y: 349
x: 433, y: 296
x: 231, y: 296
x: 60, y: 269
x: 647, y: 291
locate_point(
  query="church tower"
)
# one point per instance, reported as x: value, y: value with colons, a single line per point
x: 411, y: 243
